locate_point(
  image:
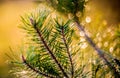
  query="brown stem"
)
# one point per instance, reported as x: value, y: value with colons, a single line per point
x: 35, y: 70
x: 50, y: 52
x: 68, y: 52
x: 98, y: 50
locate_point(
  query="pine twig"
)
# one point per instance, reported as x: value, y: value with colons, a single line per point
x: 49, y: 51
x: 35, y: 70
x: 68, y: 52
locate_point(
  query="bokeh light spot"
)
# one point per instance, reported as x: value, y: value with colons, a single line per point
x: 88, y: 19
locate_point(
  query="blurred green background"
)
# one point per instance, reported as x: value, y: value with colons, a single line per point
x: 105, y: 11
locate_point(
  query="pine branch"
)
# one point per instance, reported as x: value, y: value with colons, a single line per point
x: 35, y: 70
x: 68, y: 52
x: 48, y: 49
x: 98, y: 50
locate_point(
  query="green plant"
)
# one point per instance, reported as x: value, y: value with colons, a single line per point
x: 51, y: 54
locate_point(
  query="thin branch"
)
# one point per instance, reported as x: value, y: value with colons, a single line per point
x: 68, y: 52
x: 98, y: 50
x: 50, y: 52
x: 35, y: 70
